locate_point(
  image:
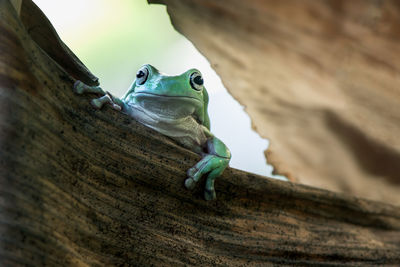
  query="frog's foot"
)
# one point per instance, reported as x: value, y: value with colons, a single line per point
x: 190, y: 183
x: 209, y: 194
x: 213, y: 166
x: 98, y: 103
x: 81, y: 88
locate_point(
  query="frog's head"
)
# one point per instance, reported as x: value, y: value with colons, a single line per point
x: 171, y: 97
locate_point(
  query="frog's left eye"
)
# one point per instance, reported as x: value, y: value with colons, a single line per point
x: 196, y: 81
x: 141, y: 76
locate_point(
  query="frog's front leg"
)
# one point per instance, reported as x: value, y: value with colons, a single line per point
x: 82, y: 88
x: 213, y: 163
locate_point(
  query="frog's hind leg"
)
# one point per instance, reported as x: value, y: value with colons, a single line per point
x: 82, y: 88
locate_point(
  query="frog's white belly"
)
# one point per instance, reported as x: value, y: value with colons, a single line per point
x: 186, y: 131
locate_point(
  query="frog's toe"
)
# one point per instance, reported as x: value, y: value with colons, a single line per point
x: 116, y: 107
x: 210, y: 194
x: 190, y: 183
x: 79, y: 87
x: 191, y: 172
x: 96, y: 103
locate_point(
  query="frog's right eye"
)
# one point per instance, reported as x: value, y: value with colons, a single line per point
x: 141, y: 76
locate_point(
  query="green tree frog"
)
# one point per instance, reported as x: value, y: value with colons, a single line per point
x: 175, y: 106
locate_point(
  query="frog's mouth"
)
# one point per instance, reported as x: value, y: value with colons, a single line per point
x: 144, y: 94
x: 168, y: 106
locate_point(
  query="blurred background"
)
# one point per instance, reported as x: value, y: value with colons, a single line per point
x: 114, y: 38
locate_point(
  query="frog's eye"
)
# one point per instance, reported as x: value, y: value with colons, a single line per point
x: 196, y: 81
x: 141, y: 76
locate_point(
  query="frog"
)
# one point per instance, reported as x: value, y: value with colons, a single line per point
x: 177, y: 107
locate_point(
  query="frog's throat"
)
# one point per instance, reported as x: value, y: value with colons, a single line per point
x: 165, y: 118
x: 166, y: 96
